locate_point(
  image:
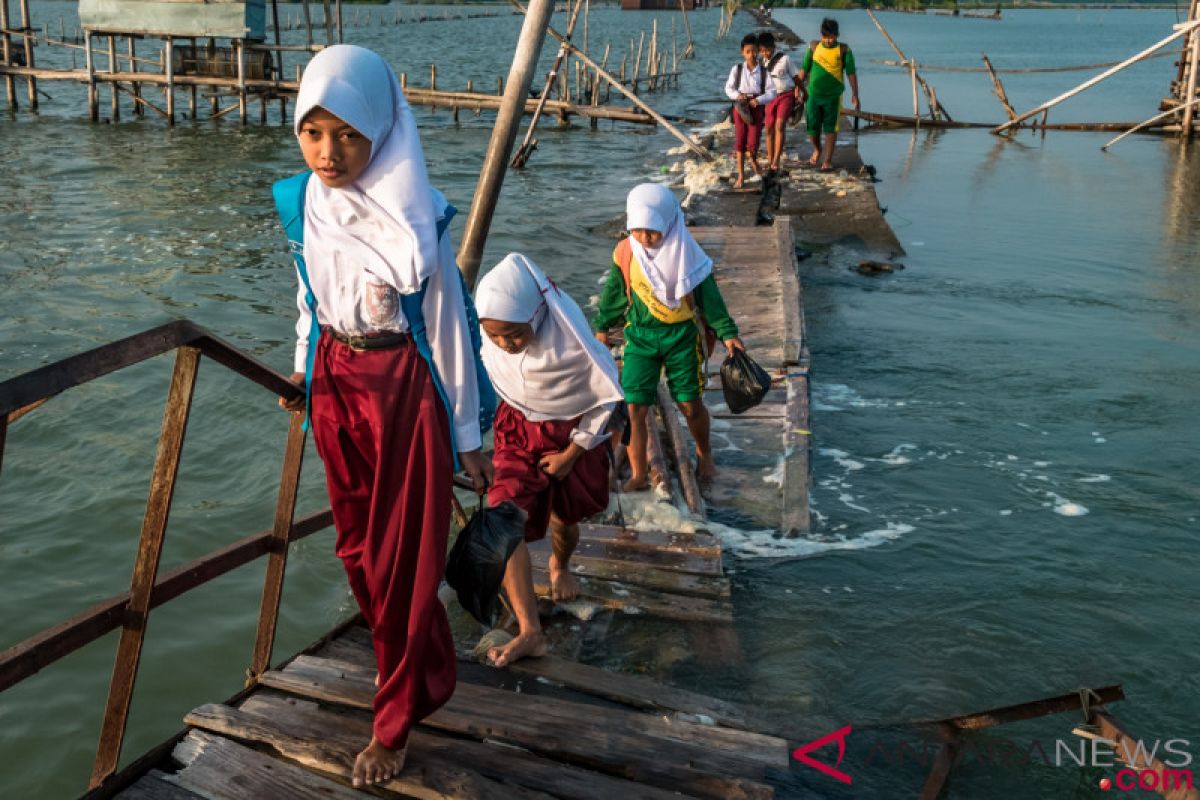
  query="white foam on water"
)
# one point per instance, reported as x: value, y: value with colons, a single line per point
x: 1007, y: 512
x: 1066, y: 507
x: 1100, y: 440
x: 1097, y: 478
x: 770, y: 544
x: 896, y: 457
x: 841, y: 458
x: 775, y: 475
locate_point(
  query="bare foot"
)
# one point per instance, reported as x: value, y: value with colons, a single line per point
x: 526, y: 645
x: 564, y: 586
x: 377, y: 764
x: 376, y: 680
x: 706, y: 468
x: 738, y: 184
x: 827, y: 167
x: 816, y: 157
x: 636, y: 484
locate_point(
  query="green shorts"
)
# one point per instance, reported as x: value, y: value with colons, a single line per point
x: 823, y: 114
x: 648, y: 351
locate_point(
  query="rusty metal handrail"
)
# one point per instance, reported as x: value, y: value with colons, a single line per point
x: 130, y: 610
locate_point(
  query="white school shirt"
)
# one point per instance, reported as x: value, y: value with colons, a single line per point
x: 749, y: 84
x: 342, y: 292
x: 783, y: 73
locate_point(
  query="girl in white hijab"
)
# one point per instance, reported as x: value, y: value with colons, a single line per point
x: 559, y: 387
x: 662, y: 288
x: 385, y: 349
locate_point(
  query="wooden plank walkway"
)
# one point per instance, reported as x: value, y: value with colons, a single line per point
x: 552, y: 727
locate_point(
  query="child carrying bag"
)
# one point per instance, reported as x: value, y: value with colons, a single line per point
x: 743, y: 382
x: 475, y: 567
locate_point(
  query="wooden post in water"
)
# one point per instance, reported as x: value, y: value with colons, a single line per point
x: 27, y: 35
x: 308, y: 40
x: 637, y: 62
x: 1189, y: 110
x: 433, y: 77
x: 240, y: 44
x: 934, y: 108
x: 169, y: 69
x: 912, y: 68
x: 93, y: 98
x: 690, y: 50
x: 341, y: 37
x: 138, y: 110
x: 1001, y: 95
x: 529, y: 143
x: 328, y: 18
x: 504, y: 134
x: 10, y: 86
x: 112, y: 68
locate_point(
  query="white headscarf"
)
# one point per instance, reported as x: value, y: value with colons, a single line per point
x: 678, y: 265
x: 564, y: 372
x: 386, y: 222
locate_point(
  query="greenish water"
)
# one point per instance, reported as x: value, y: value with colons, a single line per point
x: 1037, y: 356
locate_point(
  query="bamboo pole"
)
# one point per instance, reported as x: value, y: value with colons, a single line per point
x: 1149, y: 122
x: 10, y: 85
x: 1180, y: 30
x: 504, y: 134
x: 138, y: 110
x: 93, y: 98
x: 1001, y: 95
x: 637, y: 101
x: 328, y: 20
x: 912, y: 69
x: 278, y: 66
x: 31, y: 82
x: 338, y: 11
x: 1193, y: 64
x: 637, y: 62
x: 241, y: 78
x: 169, y: 69
x: 934, y: 107
x: 308, y: 38
x: 112, y: 67
x: 690, y: 50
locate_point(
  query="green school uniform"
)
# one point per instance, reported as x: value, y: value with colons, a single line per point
x: 652, y: 344
x: 826, y: 68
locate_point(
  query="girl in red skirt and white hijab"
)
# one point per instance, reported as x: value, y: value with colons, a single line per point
x: 391, y: 398
x: 559, y: 388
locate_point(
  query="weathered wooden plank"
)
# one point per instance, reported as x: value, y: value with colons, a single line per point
x: 327, y: 750
x: 700, y: 542
x: 679, y: 447
x: 793, y: 308
x: 633, y: 745
x: 679, y: 561
x: 154, y: 785
x: 216, y: 767
x: 796, y: 438
x: 641, y: 574
x: 633, y: 691
x: 633, y: 599
x: 505, y: 764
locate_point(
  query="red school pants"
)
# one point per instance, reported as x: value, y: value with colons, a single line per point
x: 745, y: 136
x: 381, y: 431
x: 520, y: 445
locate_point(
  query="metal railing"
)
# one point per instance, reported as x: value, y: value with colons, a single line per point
x: 130, y: 610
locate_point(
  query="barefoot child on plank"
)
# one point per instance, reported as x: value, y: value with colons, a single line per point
x: 559, y: 387
x: 661, y: 285
x: 385, y: 347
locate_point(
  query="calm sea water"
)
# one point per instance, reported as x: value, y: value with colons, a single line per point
x: 1004, y: 474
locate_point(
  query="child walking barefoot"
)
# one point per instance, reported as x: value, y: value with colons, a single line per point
x: 661, y: 285
x: 559, y: 387
x: 385, y: 347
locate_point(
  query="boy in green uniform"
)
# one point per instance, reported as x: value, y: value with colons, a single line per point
x: 659, y: 284
x: 824, y: 66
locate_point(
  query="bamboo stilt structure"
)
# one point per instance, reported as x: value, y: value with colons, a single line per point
x: 10, y: 85
x: 637, y: 62
x: 1190, y: 110
x: 338, y: 5
x: 1181, y: 30
x: 1001, y: 95
x: 504, y: 134
x: 637, y: 101
x: 1149, y: 122
x: 912, y: 68
x: 327, y: 19
x: 934, y: 108
x: 112, y: 67
x: 690, y: 50
x: 529, y: 144
x: 308, y: 38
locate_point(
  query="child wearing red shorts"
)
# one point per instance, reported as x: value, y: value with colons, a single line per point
x: 559, y: 387
x: 750, y: 91
x: 784, y: 79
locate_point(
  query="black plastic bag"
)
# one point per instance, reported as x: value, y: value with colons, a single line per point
x: 744, y: 382
x: 475, y: 568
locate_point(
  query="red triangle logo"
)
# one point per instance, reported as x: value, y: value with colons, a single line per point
x: 801, y: 754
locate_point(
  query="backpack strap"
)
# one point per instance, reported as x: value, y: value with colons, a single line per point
x: 737, y: 80
x: 289, y: 196
x: 773, y: 60
x: 623, y: 258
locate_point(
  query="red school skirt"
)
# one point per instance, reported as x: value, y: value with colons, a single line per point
x: 520, y: 444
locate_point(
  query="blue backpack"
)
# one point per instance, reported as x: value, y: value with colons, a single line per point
x: 289, y: 201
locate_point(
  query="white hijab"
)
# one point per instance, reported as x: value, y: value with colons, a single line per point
x: 678, y: 265
x: 564, y: 372
x: 386, y: 222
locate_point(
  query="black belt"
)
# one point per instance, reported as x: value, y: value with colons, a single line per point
x: 373, y: 341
